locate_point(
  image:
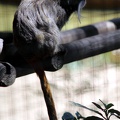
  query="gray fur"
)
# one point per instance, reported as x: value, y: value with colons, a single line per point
x: 37, y: 25
x: 36, y: 28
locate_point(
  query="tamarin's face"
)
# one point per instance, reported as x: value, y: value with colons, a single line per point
x: 72, y: 5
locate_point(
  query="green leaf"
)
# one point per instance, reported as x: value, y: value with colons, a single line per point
x: 117, y: 116
x: 93, y: 118
x: 98, y: 106
x: 113, y: 111
x: 103, y: 103
x: 109, y: 106
x: 78, y: 115
x: 79, y: 105
x: 68, y: 116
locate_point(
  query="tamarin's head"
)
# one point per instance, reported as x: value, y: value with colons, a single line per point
x: 72, y: 5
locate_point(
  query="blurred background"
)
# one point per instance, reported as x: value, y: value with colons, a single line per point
x: 83, y: 81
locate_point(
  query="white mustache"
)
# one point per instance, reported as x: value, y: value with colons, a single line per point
x: 80, y: 7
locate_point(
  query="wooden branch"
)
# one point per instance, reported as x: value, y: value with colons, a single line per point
x: 11, y: 55
x: 87, y: 47
x: 7, y: 74
x: 92, y: 46
x: 77, y: 49
x: 90, y: 30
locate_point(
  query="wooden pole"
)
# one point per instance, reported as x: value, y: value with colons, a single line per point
x: 91, y: 46
x: 76, y: 50
x: 90, y: 30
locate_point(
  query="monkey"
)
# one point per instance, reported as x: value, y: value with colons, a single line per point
x: 36, y: 32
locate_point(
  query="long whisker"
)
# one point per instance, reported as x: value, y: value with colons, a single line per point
x: 80, y: 7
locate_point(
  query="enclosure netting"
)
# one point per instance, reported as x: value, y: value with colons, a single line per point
x: 83, y: 81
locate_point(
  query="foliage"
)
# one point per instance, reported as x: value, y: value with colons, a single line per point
x: 105, y: 112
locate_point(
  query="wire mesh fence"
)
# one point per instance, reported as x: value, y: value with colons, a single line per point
x: 83, y: 81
